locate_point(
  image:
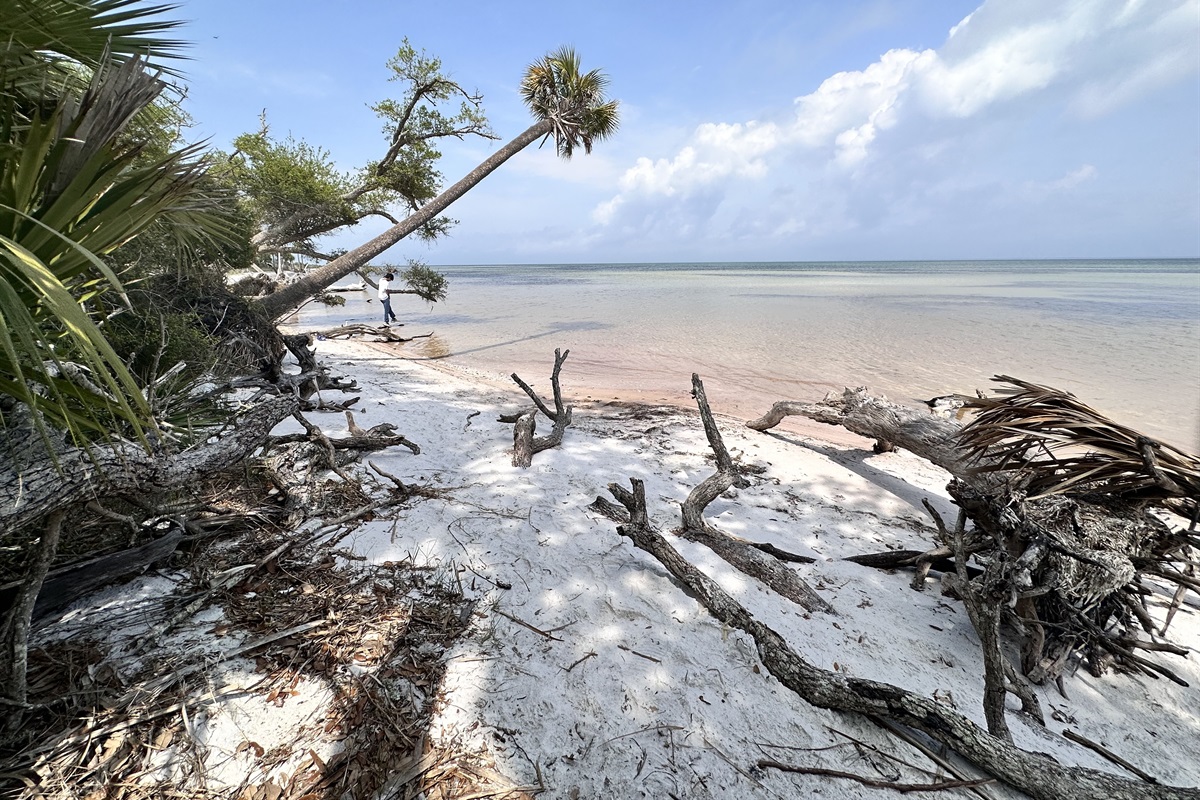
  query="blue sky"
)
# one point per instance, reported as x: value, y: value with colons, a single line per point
x: 761, y: 131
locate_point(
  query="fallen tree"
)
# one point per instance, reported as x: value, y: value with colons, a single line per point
x: 152, y: 498
x: 1036, y: 775
x: 1066, y: 537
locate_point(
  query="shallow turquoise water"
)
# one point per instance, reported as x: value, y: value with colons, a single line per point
x: 1124, y: 336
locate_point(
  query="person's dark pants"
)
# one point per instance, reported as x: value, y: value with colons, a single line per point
x: 388, y: 314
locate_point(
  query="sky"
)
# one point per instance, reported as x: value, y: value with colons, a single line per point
x: 793, y: 130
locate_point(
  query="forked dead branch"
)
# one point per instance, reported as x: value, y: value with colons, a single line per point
x: 746, y: 556
x: 524, y: 442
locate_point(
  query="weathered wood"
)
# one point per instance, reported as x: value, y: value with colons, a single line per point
x: 14, y: 634
x: 378, y: 437
x: 745, y: 556
x: 1054, y: 553
x: 607, y: 508
x: 782, y: 555
x: 37, y: 481
x: 752, y: 561
x: 524, y: 443
x: 523, y: 439
x: 1033, y: 774
x: 382, y: 334
x: 64, y: 585
x: 928, y: 435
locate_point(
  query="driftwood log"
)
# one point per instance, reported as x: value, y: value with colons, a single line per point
x: 889, y: 424
x: 1063, y: 537
x: 746, y: 556
x: 525, y: 445
x: 47, y: 479
x: 381, y: 333
x: 1036, y: 775
x: 42, y: 480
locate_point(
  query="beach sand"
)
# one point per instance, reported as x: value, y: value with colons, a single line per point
x: 628, y: 688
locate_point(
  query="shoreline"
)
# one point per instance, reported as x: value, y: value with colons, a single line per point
x: 602, y: 397
x: 1122, y: 339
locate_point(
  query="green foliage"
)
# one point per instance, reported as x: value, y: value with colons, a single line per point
x: 331, y: 299
x: 555, y: 89
x: 415, y: 122
x: 44, y: 42
x: 298, y: 195
x: 76, y: 184
x: 429, y: 285
x: 151, y: 340
x: 281, y: 179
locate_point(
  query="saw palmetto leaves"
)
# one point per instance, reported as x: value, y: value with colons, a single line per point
x: 72, y: 191
x: 43, y: 41
x: 1058, y: 444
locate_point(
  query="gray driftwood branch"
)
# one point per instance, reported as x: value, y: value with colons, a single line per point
x: 1036, y: 775
x: 524, y: 442
x: 746, y: 556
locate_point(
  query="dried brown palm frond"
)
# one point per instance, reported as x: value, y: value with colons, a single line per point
x: 1058, y: 444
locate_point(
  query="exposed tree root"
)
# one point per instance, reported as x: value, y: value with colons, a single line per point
x: 1035, y: 775
x: 1070, y: 562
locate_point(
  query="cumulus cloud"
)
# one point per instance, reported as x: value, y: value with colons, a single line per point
x: 1089, y: 56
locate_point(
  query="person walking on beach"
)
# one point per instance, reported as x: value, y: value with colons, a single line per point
x: 385, y: 298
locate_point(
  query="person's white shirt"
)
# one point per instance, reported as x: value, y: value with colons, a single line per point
x: 383, y: 288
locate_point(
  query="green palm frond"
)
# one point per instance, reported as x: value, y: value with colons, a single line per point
x: 1059, y: 444
x: 72, y: 191
x: 557, y: 90
x: 31, y: 369
x: 37, y: 34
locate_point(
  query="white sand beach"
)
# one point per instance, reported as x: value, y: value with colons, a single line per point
x: 586, y: 671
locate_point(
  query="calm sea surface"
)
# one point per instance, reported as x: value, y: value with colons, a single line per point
x: 1122, y: 335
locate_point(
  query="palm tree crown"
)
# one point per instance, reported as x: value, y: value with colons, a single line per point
x: 573, y: 102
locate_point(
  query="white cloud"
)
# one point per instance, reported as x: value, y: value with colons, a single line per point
x: 1075, y: 177
x: 851, y: 100
x: 717, y: 151
x: 906, y: 116
x: 1041, y: 189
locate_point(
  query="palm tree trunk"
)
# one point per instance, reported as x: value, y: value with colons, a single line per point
x: 277, y: 304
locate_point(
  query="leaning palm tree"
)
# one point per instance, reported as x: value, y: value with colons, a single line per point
x: 568, y: 105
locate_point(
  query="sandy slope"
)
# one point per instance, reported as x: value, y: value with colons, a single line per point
x: 633, y: 690
x: 671, y: 704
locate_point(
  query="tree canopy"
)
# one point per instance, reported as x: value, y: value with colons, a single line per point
x: 297, y: 194
x: 568, y: 105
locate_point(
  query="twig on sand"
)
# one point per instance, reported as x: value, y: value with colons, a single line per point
x: 903, y: 788
x: 525, y: 624
x: 639, y: 655
x: 579, y: 661
x: 647, y: 729
x: 1109, y: 754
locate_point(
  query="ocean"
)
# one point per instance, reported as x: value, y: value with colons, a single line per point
x: 1122, y: 335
